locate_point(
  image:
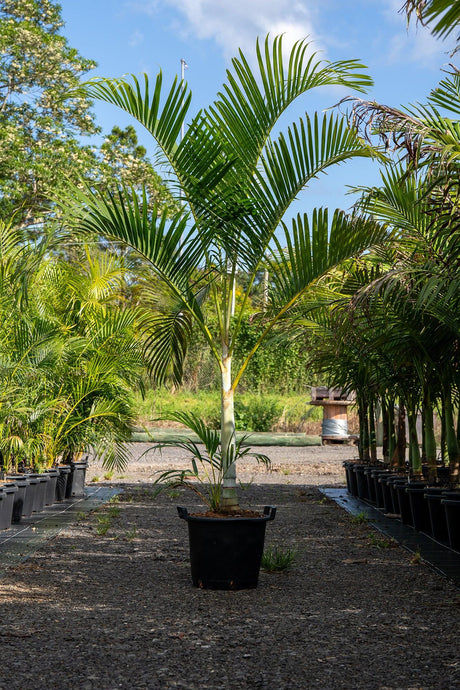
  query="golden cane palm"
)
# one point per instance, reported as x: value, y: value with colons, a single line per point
x: 237, y: 177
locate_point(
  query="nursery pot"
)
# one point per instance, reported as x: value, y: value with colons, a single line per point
x: 347, y: 466
x: 51, y: 486
x: 370, y: 485
x: 361, y: 482
x: 61, y: 482
x: 351, y: 478
x: 419, y: 507
x: 452, y: 508
x: 403, y: 501
x: 40, y: 491
x: 76, y: 479
x: 376, y: 474
x: 387, y: 495
x: 23, y: 499
x: 226, y: 552
x: 7, y: 493
x: 433, y: 497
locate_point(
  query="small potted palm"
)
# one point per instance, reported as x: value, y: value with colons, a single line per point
x: 225, y: 547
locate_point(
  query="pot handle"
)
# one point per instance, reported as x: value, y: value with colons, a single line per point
x: 270, y: 512
x: 183, y: 512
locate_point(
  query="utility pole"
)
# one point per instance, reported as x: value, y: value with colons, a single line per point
x: 183, y: 67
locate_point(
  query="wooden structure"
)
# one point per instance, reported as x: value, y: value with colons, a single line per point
x: 335, y: 419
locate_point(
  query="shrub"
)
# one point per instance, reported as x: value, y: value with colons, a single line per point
x: 259, y: 413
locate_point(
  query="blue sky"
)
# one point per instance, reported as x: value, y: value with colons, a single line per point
x: 136, y: 36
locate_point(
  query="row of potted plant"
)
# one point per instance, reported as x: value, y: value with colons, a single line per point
x: 430, y: 508
x: 26, y: 493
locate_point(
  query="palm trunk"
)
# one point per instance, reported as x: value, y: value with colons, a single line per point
x: 229, y: 500
x: 399, y: 457
x: 453, y: 449
x: 414, y: 450
x: 391, y: 429
x: 385, y: 429
x: 372, y: 431
x: 430, y: 440
x: 363, y: 428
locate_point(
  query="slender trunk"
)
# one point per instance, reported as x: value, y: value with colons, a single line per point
x: 414, y: 449
x: 372, y: 432
x: 453, y: 449
x: 363, y: 429
x: 229, y: 500
x: 385, y: 430
x: 444, y: 456
x: 391, y: 429
x: 430, y: 440
x: 399, y: 457
x: 423, y: 413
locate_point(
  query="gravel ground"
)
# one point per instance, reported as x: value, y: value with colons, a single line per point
x: 118, y: 610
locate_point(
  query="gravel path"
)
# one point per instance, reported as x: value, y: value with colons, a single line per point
x: 92, y: 611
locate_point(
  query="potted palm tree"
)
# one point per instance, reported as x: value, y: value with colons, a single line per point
x: 236, y: 177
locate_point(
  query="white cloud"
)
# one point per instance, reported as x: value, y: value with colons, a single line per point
x: 417, y: 46
x: 237, y: 23
x: 136, y: 39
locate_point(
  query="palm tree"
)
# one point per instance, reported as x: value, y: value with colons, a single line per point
x: 69, y: 358
x: 445, y: 14
x: 237, y: 177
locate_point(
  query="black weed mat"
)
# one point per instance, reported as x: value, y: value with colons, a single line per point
x: 440, y: 557
x: 21, y: 540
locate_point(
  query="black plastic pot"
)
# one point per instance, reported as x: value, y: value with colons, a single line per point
x: 31, y: 496
x: 402, y: 502
x: 351, y: 478
x: 387, y: 494
x: 371, y: 495
x: 375, y: 475
x: 438, y: 524
x: 393, y: 485
x: 23, y: 499
x: 51, y: 486
x: 225, y: 553
x: 361, y: 482
x: 452, y: 510
x: 347, y: 467
x: 61, y: 482
x: 419, y: 507
x: 40, y: 492
x: 76, y: 480
x: 7, y: 492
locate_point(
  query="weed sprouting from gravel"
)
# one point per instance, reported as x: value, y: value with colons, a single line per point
x: 104, y: 524
x: 359, y: 519
x: 276, y: 559
x: 380, y: 542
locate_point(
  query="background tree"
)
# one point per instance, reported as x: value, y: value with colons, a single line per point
x: 41, y: 135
